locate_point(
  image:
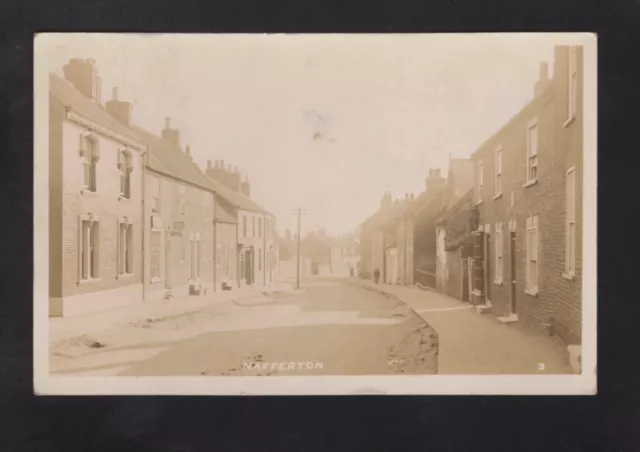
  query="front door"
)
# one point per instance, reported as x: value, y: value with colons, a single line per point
x: 487, y: 268
x: 512, y: 264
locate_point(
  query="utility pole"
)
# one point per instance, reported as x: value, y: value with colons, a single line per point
x: 299, y: 211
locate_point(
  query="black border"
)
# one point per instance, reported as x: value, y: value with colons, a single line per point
x: 602, y: 422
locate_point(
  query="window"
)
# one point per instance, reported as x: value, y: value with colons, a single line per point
x: 198, y: 254
x: 260, y: 259
x: 498, y: 172
x: 156, y: 253
x: 244, y: 225
x: 570, y: 246
x: 259, y: 227
x: 89, y: 153
x: 89, y: 249
x: 183, y: 250
x: 125, y: 248
x: 532, y: 255
x: 532, y: 152
x: 573, y: 82
x: 480, y: 179
x: 155, y: 194
x: 253, y: 226
x: 499, y: 254
x: 125, y: 166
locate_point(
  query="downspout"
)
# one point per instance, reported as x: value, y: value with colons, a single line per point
x: 237, y: 250
x: 215, y: 246
x: 144, y: 221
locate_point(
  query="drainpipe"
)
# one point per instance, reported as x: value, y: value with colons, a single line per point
x: 215, y: 247
x: 144, y: 222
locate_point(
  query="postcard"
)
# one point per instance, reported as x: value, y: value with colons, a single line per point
x: 315, y: 214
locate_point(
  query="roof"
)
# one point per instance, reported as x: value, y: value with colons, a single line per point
x: 459, y: 205
x: 167, y: 159
x: 224, y: 214
x: 69, y: 95
x: 235, y: 198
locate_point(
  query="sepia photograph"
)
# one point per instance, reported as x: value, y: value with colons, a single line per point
x: 260, y: 214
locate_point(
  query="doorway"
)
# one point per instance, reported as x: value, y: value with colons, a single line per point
x: 487, y: 268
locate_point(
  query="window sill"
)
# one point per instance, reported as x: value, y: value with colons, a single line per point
x: 125, y: 275
x: 86, y: 192
x: 123, y: 198
x: 532, y: 292
x: 569, y: 276
x: 498, y: 282
x: 498, y: 196
x: 530, y: 183
x: 478, y: 203
x: 156, y: 280
x: 569, y: 121
x: 84, y: 282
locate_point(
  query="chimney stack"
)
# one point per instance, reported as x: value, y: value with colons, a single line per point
x: 434, y: 182
x: 83, y: 74
x: 543, y: 79
x: 120, y: 110
x: 171, y: 135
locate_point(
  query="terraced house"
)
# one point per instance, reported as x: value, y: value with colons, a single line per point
x: 527, y: 259
x: 179, y: 214
x: 96, y: 185
x: 256, y: 253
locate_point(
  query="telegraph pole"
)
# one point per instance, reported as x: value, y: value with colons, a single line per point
x: 299, y: 211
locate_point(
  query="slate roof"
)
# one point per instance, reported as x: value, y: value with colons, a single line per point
x: 171, y: 161
x: 224, y: 214
x: 68, y: 95
x: 235, y: 198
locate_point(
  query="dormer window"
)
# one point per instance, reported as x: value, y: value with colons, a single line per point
x: 90, y: 155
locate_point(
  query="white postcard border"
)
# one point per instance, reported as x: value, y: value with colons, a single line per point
x: 45, y: 384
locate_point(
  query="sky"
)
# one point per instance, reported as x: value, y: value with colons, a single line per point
x: 323, y: 122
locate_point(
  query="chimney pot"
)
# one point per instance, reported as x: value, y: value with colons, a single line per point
x: 229, y: 168
x: 167, y: 123
x: 187, y: 150
x: 222, y: 164
x: 115, y: 93
x: 208, y: 164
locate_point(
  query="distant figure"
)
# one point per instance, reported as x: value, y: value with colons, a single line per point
x: 376, y: 275
x: 351, y: 271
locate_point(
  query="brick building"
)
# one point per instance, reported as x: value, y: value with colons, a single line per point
x: 429, y: 206
x: 528, y: 191
x: 256, y: 253
x: 95, y: 174
x: 460, y: 180
x: 178, y: 212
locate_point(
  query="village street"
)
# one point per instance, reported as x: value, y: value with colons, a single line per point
x: 473, y: 343
x: 330, y: 326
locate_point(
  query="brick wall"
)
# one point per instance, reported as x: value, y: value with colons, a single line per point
x: 104, y: 203
x: 558, y: 300
x: 227, y: 256
x: 190, y: 209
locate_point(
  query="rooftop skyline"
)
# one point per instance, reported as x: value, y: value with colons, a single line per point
x: 325, y: 122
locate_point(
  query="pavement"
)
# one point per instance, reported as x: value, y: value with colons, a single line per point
x: 64, y: 329
x: 327, y: 327
x: 472, y: 343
